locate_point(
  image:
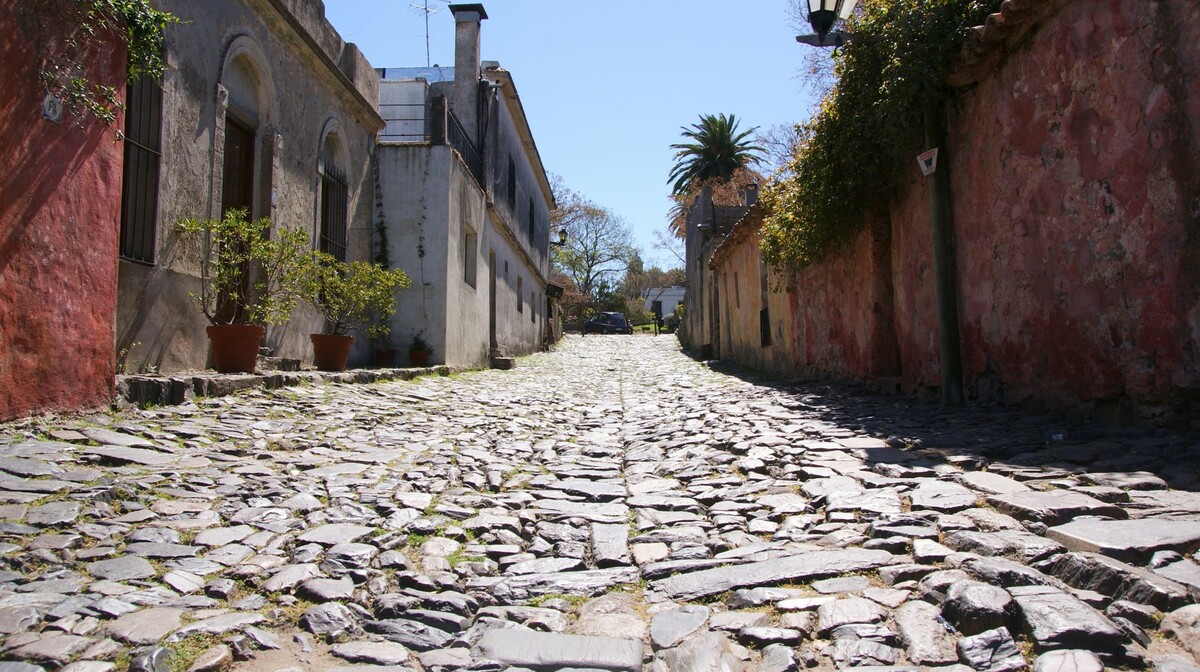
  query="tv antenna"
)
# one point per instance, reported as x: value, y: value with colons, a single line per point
x: 422, y: 6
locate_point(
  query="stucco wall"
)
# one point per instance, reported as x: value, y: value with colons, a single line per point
x: 60, y: 195
x: 416, y: 204
x: 1075, y: 171
x: 741, y: 300
x: 156, y: 321
x: 429, y: 198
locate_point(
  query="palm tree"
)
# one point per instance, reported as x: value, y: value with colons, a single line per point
x: 716, y: 150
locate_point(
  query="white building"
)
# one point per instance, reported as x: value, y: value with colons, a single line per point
x: 663, y: 300
x: 465, y: 205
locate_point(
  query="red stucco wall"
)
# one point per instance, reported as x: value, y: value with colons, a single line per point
x: 1075, y: 168
x: 60, y: 194
x: 842, y: 311
x: 1075, y: 171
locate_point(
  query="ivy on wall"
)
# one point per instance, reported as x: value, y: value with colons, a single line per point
x: 862, y: 143
x: 92, y: 23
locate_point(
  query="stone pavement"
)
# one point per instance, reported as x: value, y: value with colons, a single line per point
x: 610, y: 506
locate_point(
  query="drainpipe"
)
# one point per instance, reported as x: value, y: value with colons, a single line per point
x: 944, y: 262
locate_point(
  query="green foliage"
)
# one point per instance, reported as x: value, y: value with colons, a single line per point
x: 357, y: 295
x: 715, y: 151
x: 247, y: 277
x: 134, y: 23
x: 862, y: 143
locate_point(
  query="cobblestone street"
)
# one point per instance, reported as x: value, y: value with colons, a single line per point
x: 613, y: 505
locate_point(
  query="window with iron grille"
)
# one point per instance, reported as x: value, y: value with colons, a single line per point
x: 334, y: 196
x: 512, y: 185
x: 139, y: 185
x: 532, y: 223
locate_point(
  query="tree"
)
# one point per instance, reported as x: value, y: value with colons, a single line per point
x: 599, y: 243
x: 715, y: 151
x: 725, y: 191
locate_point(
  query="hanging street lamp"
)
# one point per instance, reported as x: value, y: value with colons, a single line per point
x: 822, y: 15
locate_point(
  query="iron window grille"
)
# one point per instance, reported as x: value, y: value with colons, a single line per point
x: 334, y: 198
x: 139, y: 180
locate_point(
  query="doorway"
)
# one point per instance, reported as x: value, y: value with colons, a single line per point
x: 237, y: 191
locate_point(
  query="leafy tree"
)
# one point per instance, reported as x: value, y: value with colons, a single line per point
x: 715, y: 150
x: 599, y: 243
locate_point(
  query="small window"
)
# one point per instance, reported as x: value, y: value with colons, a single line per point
x: 470, y: 254
x: 520, y: 294
x: 512, y: 185
x: 532, y: 307
x: 532, y: 224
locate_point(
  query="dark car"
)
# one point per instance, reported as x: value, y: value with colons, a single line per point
x: 607, y: 323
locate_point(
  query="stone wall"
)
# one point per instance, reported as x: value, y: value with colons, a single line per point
x: 60, y: 196
x: 280, y: 67
x: 1075, y: 171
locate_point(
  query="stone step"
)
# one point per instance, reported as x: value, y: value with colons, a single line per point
x: 504, y: 363
x: 278, y: 364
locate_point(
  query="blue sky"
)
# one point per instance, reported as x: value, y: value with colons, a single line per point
x: 607, y: 84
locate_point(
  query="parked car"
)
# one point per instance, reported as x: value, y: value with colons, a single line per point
x: 607, y: 323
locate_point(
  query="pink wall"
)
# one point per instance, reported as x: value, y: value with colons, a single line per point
x: 60, y: 196
x: 1076, y: 188
x: 842, y: 311
x: 1074, y: 172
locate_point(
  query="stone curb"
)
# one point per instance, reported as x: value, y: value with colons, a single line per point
x: 181, y: 388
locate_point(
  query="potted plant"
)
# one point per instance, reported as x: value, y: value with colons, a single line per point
x: 358, y: 295
x: 420, y: 351
x: 247, y: 280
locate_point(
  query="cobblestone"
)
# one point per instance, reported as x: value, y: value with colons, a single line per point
x: 612, y: 505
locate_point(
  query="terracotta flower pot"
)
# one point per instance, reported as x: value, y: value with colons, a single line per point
x: 419, y: 357
x: 385, y: 358
x: 235, y: 346
x: 330, y: 351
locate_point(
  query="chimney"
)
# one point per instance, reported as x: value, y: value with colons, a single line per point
x: 750, y: 195
x: 465, y: 100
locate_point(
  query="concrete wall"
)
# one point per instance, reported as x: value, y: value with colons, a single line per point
x: 430, y: 202
x: 60, y: 196
x: 1076, y: 195
x: 257, y: 57
x: 416, y: 204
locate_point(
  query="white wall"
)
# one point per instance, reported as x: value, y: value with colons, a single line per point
x: 402, y: 103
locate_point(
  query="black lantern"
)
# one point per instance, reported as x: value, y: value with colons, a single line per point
x: 562, y: 238
x: 822, y: 14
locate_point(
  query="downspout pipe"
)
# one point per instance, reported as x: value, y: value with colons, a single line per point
x: 945, y: 263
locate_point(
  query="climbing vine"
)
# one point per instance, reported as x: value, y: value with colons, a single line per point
x: 862, y: 142
x: 93, y: 23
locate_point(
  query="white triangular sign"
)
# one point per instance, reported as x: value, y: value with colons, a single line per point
x: 928, y: 162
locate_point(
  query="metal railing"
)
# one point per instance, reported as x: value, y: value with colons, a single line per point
x: 456, y: 137
x: 406, y: 122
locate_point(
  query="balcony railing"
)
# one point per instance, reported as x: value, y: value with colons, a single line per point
x: 457, y: 137
x: 405, y: 123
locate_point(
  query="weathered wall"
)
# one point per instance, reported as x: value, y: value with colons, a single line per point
x: 60, y: 196
x: 842, y: 311
x: 292, y: 56
x: 1075, y: 170
x: 1077, y: 179
x: 741, y: 303
x: 416, y: 203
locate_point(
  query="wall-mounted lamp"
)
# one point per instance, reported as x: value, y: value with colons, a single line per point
x: 562, y: 238
x: 822, y: 15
